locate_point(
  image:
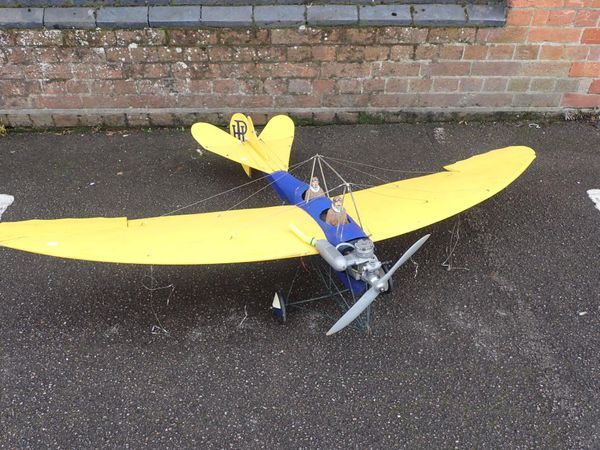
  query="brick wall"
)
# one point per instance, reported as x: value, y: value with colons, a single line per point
x: 546, y: 59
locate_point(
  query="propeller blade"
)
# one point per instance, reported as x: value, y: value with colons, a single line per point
x: 369, y: 296
x: 362, y: 304
x: 407, y: 255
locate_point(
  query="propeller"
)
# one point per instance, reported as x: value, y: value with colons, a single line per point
x: 369, y: 296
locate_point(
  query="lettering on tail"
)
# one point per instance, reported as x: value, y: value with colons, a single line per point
x: 239, y: 130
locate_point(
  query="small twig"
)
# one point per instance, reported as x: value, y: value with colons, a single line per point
x: 454, y: 238
x: 245, y: 316
x: 416, y: 267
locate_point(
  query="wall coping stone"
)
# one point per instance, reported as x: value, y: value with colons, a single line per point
x: 280, y: 15
x: 69, y: 18
x: 122, y: 17
x: 175, y: 16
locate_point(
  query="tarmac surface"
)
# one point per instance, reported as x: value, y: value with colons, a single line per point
x: 502, y: 351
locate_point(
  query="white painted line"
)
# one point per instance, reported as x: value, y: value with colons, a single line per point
x: 594, y: 195
x: 5, y: 202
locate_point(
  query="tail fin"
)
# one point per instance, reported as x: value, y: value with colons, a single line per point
x: 241, y: 127
x: 269, y: 152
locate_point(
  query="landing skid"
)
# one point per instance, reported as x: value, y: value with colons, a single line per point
x: 333, y: 291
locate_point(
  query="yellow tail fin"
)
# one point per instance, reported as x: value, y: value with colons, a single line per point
x: 268, y: 152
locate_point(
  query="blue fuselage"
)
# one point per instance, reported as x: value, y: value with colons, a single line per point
x: 291, y: 190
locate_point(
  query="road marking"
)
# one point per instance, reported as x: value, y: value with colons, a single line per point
x: 594, y: 195
x: 5, y: 202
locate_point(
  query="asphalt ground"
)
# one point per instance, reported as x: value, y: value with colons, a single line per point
x: 502, y: 351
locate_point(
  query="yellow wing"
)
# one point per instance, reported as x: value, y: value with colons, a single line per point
x: 268, y: 153
x: 404, y: 206
x: 212, y: 238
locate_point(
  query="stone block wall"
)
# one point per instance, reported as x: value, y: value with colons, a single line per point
x: 546, y: 59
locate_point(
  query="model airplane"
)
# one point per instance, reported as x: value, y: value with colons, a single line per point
x: 295, y: 229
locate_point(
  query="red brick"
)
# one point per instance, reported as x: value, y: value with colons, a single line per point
x: 536, y: 100
x: 324, y: 117
x: 518, y: 17
x: 451, y: 52
x: 200, y: 101
x: 500, y: 51
x: 361, y: 36
x: 581, y: 69
x: 561, y: 17
x: 10, y: 71
x: 495, y: 85
x: 190, y: 54
x: 496, y: 100
x: 475, y: 52
x: 299, y: 53
x: 536, y: 3
x: 247, y: 54
x: 323, y: 53
x: 233, y: 37
x: 340, y: 70
x: 445, y: 84
x: 540, y: 17
x: 374, y: 85
x: 44, y: 38
x: 58, y: 102
x: 420, y: 85
x: 518, y: 85
x: 300, y: 86
x: 250, y: 101
x: 401, y: 35
x: 591, y: 36
x: 470, y: 85
x: 576, y: 52
x: 502, y: 35
x: 348, y: 86
x: 192, y: 38
x: 594, y: 87
x: 426, y: 52
x: 581, y: 101
x: 15, y: 88
x: 393, y: 85
x: 291, y: 36
x: 114, y: 87
x: 66, y: 87
x: 66, y: 120
x: 439, y: 100
x: 587, y: 18
x: 93, y: 71
x: 551, y: 52
x: 447, y: 68
x: 542, y: 85
x: 546, y: 34
x: 397, y: 69
x: 505, y: 68
x: 394, y: 100
x: 349, y: 53
x: 443, y: 35
x: 285, y: 69
x: 545, y: 69
x: 381, y: 53
x: 269, y: 54
x: 145, y: 37
x: 275, y: 86
x: 225, y: 86
x: 525, y: 52
x: 320, y: 86
x: 251, y: 86
x: 346, y: 100
x: 296, y: 101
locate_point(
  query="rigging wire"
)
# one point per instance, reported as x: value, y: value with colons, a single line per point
x: 377, y: 167
x: 292, y: 168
